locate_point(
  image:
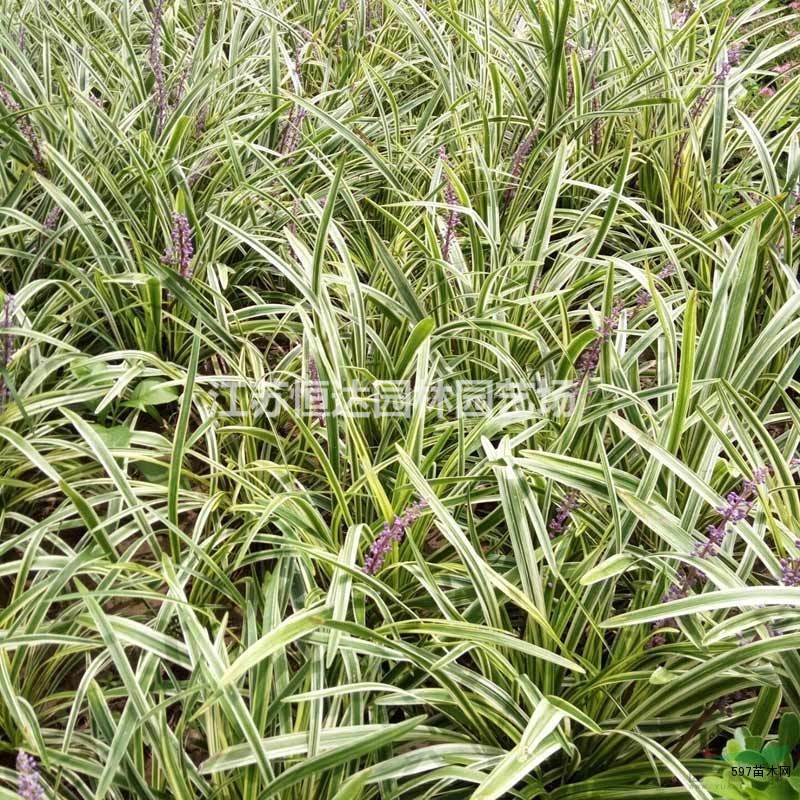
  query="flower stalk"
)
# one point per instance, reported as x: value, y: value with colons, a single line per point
x: 453, y: 215
x: 29, y: 786
x: 26, y: 129
x: 561, y: 519
x: 179, y: 253
x: 155, y: 60
x: 290, y: 136
x: 391, y: 533
x: 316, y: 400
x: 517, y: 164
x: 590, y: 357
x: 737, y: 506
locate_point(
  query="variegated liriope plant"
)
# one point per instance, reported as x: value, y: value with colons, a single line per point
x: 569, y: 592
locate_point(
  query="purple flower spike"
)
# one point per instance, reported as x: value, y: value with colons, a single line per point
x: 52, y: 218
x: 290, y: 137
x: 157, y: 67
x: 704, y: 98
x: 201, y: 121
x: 180, y: 252
x: 597, y: 122
x: 453, y: 215
x: 26, y: 128
x: 737, y: 507
x: 716, y: 535
x: 678, y: 590
x: 180, y: 89
x: 391, y: 533
x: 29, y: 787
x: 643, y: 299
x: 668, y: 271
x: 790, y: 571
x: 374, y: 14
x: 517, y: 164
x: 679, y: 18
x: 7, y: 351
x: 590, y: 357
x: 563, y: 513
x: 315, y: 396
x: 719, y: 78
x: 760, y: 476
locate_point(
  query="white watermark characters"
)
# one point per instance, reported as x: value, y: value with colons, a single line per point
x: 236, y: 398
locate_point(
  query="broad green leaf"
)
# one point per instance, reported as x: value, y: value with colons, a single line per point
x: 151, y: 392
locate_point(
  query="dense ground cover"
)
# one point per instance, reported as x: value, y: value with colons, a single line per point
x: 581, y: 583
